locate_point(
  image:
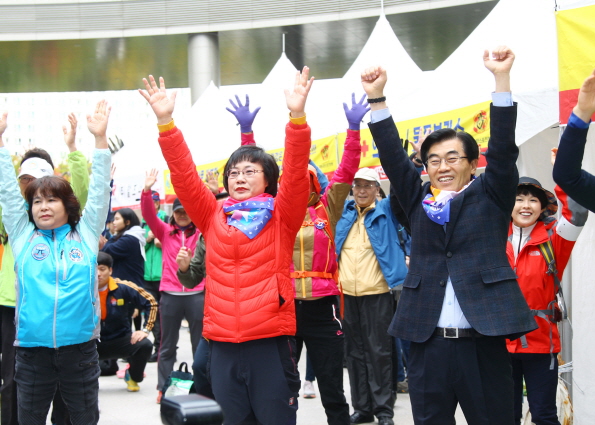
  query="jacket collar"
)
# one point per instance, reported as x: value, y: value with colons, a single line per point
x: 539, y: 233
x: 112, y: 285
x: 60, y: 232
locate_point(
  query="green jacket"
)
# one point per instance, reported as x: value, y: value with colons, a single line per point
x: 79, y: 180
x: 153, y: 263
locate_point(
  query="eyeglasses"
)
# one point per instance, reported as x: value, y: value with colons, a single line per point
x: 449, y: 160
x: 234, y: 174
x: 363, y: 186
x: 26, y: 179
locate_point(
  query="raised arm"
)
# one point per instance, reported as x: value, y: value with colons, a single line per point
x: 245, y: 119
x: 197, y: 199
x: 14, y: 213
x: 158, y: 227
x: 396, y: 164
x: 340, y: 185
x: 97, y: 206
x: 292, y: 198
x: 501, y: 174
x: 577, y: 183
x: 352, y: 152
x: 77, y: 163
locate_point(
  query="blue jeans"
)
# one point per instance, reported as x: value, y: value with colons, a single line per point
x: 39, y: 371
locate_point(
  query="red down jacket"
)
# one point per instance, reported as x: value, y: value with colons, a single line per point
x: 249, y: 294
x: 538, y: 287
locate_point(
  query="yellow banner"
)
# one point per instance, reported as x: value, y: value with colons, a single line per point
x: 474, y: 119
x: 202, y: 171
x: 576, y: 45
x: 325, y: 152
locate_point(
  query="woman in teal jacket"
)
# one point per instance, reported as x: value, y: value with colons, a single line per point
x: 57, y: 308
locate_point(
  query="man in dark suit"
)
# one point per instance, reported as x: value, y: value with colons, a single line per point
x: 460, y: 299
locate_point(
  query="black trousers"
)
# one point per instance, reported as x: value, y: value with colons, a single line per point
x: 542, y: 384
x: 8, y: 390
x: 137, y: 354
x: 473, y: 372
x: 202, y: 385
x: 320, y: 328
x: 369, y: 353
x: 152, y: 287
x: 39, y: 372
x: 256, y: 382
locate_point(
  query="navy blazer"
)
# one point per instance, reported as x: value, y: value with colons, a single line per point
x: 472, y: 250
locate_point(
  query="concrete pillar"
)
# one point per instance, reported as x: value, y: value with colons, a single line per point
x: 203, y: 62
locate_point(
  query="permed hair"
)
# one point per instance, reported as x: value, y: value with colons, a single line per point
x: 54, y: 186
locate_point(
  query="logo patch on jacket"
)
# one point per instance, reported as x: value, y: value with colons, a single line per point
x: 534, y: 253
x: 75, y: 255
x: 40, y: 251
x: 116, y: 301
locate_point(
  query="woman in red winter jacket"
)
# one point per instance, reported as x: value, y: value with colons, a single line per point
x: 249, y: 315
x: 533, y: 232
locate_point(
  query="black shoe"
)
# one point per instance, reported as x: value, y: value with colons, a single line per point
x: 358, y: 418
x: 384, y: 420
x: 153, y: 357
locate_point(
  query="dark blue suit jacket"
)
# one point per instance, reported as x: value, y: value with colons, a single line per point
x: 472, y: 250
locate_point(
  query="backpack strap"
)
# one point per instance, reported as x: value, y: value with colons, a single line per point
x: 547, y: 252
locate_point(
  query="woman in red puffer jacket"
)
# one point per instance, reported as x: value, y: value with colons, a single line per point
x: 249, y: 310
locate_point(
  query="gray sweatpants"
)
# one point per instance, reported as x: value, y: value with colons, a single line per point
x: 172, y: 309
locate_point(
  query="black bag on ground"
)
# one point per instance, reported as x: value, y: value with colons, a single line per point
x: 179, y: 382
x: 191, y: 409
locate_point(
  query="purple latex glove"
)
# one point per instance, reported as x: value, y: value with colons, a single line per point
x: 243, y: 115
x: 356, y: 113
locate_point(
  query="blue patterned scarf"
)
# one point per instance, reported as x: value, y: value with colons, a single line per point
x: 249, y: 216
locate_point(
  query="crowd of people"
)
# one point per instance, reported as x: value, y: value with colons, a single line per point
x: 449, y: 289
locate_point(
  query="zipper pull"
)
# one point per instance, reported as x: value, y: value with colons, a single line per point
x: 61, y: 254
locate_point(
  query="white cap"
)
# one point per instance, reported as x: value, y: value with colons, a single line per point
x: 367, y: 174
x: 36, y: 167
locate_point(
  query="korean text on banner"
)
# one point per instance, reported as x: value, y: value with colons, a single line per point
x: 474, y: 119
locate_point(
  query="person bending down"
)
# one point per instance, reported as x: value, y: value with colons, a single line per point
x: 117, y: 339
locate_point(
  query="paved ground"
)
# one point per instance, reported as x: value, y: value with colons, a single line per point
x: 119, y: 407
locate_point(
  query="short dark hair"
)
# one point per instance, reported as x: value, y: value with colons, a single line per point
x: 127, y: 215
x: 527, y: 189
x: 104, y: 259
x: 256, y: 155
x: 37, y: 153
x: 469, y: 144
x: 57, y: 187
